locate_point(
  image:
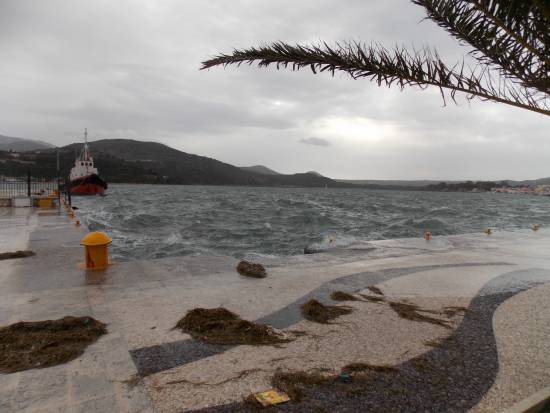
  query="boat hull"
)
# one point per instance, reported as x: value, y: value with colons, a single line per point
x: 88, y: 185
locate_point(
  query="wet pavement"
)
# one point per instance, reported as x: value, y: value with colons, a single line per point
x: 503, y: 278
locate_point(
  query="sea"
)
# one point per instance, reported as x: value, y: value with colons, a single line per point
x: 154, y: 221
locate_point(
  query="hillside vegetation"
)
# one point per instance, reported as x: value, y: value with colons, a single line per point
x: 130, y: 161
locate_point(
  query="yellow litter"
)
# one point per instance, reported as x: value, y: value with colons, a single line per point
x: 271, y: 397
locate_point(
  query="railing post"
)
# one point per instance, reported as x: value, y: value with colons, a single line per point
x: 58, y: 191
x: 29, y: 184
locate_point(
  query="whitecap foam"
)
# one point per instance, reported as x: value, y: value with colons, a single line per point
x: 332, y: 241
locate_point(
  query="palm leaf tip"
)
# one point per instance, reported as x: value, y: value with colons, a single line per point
x: 398, y: 66
x: 219, y: 60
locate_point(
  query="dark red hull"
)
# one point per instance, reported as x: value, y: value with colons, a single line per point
x: 88, y: 185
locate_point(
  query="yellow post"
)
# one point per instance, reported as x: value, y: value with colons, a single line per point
x: 427, y: 235
x: 45, y: 202
x: 96, y: 250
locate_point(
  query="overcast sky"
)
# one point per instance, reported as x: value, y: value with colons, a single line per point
x: 130, y: 69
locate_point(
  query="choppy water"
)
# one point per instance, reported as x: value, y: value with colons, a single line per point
x: 148, y: 221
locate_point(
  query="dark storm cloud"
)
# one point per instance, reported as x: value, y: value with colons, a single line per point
x: 130, y: 69
x: 315, y: 141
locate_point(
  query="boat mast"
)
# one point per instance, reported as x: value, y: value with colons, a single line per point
x: 85, y: 156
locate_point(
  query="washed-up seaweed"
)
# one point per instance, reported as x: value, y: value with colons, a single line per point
x: 16, y: 254
x: 314, y: 311
x: 221, y: 326
x: 38, y: 344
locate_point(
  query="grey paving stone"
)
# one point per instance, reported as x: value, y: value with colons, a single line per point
x: 41, y: 387
x: 6, y: 402
x: 98, y: 405
x: 8, y: 385
x: 50, y: 408
x: 84, y: 387
x: 135, y: 398
x: 8, y: 382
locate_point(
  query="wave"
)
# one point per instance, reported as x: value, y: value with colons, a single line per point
x: 163, y: 221
x: 330, y: 242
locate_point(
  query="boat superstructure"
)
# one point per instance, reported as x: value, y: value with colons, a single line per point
x: 84, y: 176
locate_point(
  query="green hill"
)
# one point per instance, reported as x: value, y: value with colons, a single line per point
x: 8, y: 143
x: 130, y: 161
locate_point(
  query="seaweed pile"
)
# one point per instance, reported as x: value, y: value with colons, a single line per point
x: 314, y: 311
x: 38, y: 344
x: 16, y: 254
x: 221, y: 326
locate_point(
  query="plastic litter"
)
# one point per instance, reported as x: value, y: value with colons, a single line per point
x: 271, y: 397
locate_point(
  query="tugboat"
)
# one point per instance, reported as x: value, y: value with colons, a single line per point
x: 84, y: 178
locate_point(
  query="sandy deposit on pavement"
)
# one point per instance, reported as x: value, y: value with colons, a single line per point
x: 373, y: 334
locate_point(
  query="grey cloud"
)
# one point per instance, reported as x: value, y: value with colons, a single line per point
x: 315, y: 141
x: 132, y: 65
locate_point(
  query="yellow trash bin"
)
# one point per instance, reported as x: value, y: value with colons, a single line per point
x: 96, y: 250
x: 45, y: 202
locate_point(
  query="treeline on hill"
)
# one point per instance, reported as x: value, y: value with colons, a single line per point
x: 468, y: 186
x: 167, y: 167
x: 44, y: 164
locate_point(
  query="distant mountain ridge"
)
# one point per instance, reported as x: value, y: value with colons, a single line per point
x: 260, y: 169
x: 394, y: 182
x: 9, y: 143
x: 427, y: 182
x: 131, y: 161
x: 541, y: 181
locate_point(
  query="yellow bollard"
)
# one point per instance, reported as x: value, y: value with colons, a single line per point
x: 96, y: 250
x: 427, y: 235
x: 45, y: 202
x: 536, y: 227
x: 488, y: 231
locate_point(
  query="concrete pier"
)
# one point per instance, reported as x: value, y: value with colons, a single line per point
x: 492, y: 356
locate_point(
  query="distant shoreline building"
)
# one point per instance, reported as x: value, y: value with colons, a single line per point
x: 543, y: 190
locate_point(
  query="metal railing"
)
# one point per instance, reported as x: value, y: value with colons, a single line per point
x: 11, y: 187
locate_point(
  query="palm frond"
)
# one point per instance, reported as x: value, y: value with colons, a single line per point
x: 511, y: 35
x: 510, y: 40
x: 388, y: 67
